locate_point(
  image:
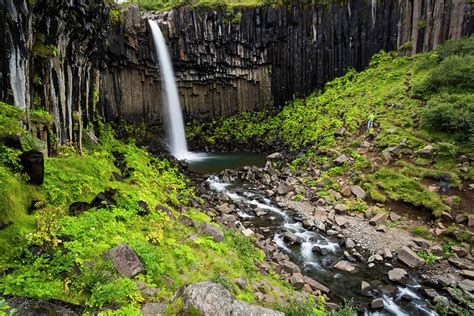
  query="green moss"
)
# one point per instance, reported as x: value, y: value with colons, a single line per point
x: 10, y: 119
x: 421, y: 231
x: 403, y: 188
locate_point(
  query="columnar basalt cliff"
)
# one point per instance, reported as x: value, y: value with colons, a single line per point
x: 255, y: 57
x: 50, y: 53
x: 63, y: 55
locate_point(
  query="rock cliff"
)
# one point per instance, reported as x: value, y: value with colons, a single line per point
x: 72, y: 59
x: 231, y: 62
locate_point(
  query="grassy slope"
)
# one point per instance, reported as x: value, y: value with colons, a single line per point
x: 384, y: 89
x: 73, y: 270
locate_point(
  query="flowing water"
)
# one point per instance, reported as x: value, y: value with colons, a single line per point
x: 398, y: 300
x: 174, y: 116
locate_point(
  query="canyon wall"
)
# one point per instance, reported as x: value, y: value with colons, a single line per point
x: 77, y: 58
x: 251, y: 58
x: 50, y: 53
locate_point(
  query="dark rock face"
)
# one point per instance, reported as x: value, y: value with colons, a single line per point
x: 125, y: 260
x: 49, y: 57
x: 33, y: 164
x: 269, y: 56
x: 66, y: 56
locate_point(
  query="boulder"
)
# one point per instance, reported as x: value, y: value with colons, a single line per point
x: 358, y: 192
x: 209, y: 298
x: 153, y: 309
x: 248, y: 232
x: 378, y: 219
x: 102, y: 200
x: 387, y: 253
x: 466, y: 285
x: 143, y: 208
x: 350, y: 243
x: 77, y: 208
x: 224, y: 208
x: 211, y: 230
x: 344, y: 265
x: 408, y: 257
x: 340, y: 132
x: 290, y: 267
x: 186, y: 221
x: 426, y: 152
x: 315, y: 285
x: 340, y: 208
x: 394, y: 217
x: 125, y: 260
x: 436, y: 250
x: 441, y: 300
x: 283, y: 188
x: 340, y: 160
x: 397, y: 275
x: 364, y: 286
x: 33, y: 164
x: 275, y: 156
x: 468, y: 274
x: 297, y: 280
x: 31, y: 307
x: 291, y: 238
x: 377, y: 303
x: 346, y: 191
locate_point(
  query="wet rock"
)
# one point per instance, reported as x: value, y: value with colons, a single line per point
x: 441, y: 300
x: 297, y: 280
x: 211, y: 230
x: 291, y: 238
x: 431, y: 293
x: 388, y: 289
x: 358, y: 192
x: 407, y: 256
x: 125, y: 260
x: 275, y: 156
x: 33, y: 164
x: 315, y: 285
x: 340, y: 160
x: 377, y: 303
x: 398, y: 275
x: 224, y: 208
x: 378, y: 219
x: 153, y: 309
x: 349, y: 257
x: 77, y: 208
x: 344, y: 265
x: 290, y: 267
x: 364, y: 286
x: 143, y: 208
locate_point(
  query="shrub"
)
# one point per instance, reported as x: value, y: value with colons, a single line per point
x: 461, y: 47
x: 452, y: 73
x: 452, y: 113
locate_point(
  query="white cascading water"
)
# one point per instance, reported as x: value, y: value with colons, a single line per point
x: 174, y: 117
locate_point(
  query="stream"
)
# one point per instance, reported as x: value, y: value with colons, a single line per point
x: 264, y: 216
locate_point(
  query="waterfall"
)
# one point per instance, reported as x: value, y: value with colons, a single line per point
x: 174, y: 117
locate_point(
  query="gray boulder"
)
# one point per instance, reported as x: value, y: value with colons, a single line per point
x: 125, y: 260
x: 213, y: 299
x: 153, y: 309
x: 358, y: 192
x: 211, y: 230
x: 408, y: 257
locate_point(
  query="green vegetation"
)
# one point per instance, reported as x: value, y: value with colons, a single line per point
x: 70, y: 265
x: 402, y: 188
x: 417, y: 101
x: 421, y: 231
x: 428, y: 257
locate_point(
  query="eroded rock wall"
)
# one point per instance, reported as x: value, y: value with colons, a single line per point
x: 252, y: 58
x: 50, y: 54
